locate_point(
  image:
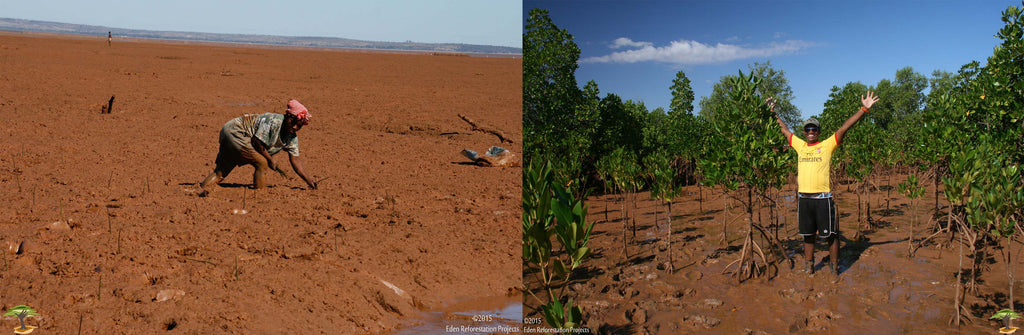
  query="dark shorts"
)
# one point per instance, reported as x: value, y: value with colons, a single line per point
x: 235, y: 150
x: 817, y: 216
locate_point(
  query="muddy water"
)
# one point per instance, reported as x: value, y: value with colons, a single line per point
x: 490, y: 315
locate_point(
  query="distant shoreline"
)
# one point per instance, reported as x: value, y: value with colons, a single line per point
x: 47, y: 28
x: 40, y: 34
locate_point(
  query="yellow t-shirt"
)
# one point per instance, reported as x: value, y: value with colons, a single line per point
x: 813, y: 164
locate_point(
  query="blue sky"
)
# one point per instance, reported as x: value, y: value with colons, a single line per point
x: 635, y: 48
x: 489, y: 22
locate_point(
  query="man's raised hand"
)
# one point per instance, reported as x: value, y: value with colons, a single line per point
x: 871, y: 99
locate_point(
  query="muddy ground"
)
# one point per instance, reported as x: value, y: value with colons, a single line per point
x: 115, y: 241
x: 879, y: 290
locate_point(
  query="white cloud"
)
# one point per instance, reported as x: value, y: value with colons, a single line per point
x: 624, y: 42
x: 692, y: 53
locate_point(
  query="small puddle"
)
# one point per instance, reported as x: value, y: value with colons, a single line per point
x: 491, y: 315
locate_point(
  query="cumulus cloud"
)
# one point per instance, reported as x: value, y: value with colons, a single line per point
x: 623, y: 42
x: 687, y: 52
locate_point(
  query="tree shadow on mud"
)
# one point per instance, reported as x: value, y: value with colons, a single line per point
x: 628, y: 329
x: 703, y: 218
x: 993, y: 303
x: 711, y: 212
x: 850, y: 251
x: 585, y: 273
x: 635, y: 260
x: 224, y: 185
x: 888, y: 212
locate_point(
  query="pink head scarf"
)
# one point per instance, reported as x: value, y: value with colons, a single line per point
x: 298, y: 111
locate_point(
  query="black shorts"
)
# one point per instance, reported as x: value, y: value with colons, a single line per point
x: 817, y: 215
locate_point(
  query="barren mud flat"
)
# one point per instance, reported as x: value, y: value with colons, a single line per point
x: 880, y: 290
x: 101, y: 231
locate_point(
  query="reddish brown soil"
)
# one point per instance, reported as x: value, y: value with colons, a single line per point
x: 400, y: 205
x: 879, y: 290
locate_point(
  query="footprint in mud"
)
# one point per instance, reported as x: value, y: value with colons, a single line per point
x: 701, y: 321
x: 817, y: 320
x: 693, y: 275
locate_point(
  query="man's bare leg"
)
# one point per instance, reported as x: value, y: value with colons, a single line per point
x: 809, y: 253
x: 833, y: 253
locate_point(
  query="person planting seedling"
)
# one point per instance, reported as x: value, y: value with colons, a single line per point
x: 816, y: 209
x: 252, y: 139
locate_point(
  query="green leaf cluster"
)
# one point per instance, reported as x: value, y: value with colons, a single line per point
x: 550, y: 212
x: 750, y: 149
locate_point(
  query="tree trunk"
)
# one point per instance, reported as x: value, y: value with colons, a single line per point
x: 869, y: 202
x: 656, y: 214
x: 959, y: 274
x: 910, y: 240
x: 671, y: 264
x: 750, y: 206
x: 606, y: 206
x: 700, y: 198
x: 860, y: 215
x: 725, y: 218
x: 936, y: 189
x: 1009, y: 268
x: 633, y: 210
x: 625, y: 253
x: 888, y: 191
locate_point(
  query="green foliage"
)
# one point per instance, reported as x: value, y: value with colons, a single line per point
x: 551, y: 212
x: 621, y: 126
x: 536, y: 213
x: 657, y: 131
x: 994, y: 190
x: 556, y: 316
x: 911, y: 188
x: 977, y: 114
x: 771, y: 83
x: 862, y: 145
x: 625, y: 170
x: 558, y: 117
x: 659, y: 168
x: 753, y: 148
x: 682, y: 94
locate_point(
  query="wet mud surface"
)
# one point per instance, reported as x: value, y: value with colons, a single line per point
x: 879, y: 289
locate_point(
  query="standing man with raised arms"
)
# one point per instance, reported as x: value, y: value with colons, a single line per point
x: 816, y: 210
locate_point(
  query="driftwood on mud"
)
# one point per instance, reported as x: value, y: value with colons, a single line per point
x: 110, y: 106
x: 501, y: 136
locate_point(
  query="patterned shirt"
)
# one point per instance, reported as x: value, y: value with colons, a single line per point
x: 267, y: 128
x: 814, y: 163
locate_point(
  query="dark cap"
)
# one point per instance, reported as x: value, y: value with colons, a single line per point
x: 812, y: 121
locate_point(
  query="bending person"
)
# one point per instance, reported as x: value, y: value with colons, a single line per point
x: 253, y: 139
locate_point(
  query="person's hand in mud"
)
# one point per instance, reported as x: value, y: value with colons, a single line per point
x: 262, y: 150
x: 299, y: 170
